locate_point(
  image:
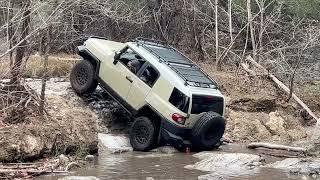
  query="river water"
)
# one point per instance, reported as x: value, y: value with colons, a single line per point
x: 157, y: 165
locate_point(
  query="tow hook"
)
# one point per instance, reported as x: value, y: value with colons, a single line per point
x: 188, y: 150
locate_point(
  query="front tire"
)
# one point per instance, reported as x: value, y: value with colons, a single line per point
x: 208, y: 131
x: 142, y: 134
x: 83, y: 77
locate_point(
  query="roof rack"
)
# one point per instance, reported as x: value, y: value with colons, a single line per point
x: 178, y: 62
x: 146, y: 41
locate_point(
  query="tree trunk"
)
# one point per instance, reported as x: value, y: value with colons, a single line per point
x: 218, y: 65
x: 10, y: 30
x: 45, y: 65
x: 20, y: 51
x: 251, y: 29
x: 230, y: 19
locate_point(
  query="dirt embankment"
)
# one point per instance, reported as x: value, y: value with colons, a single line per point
x: 70, y: 127
x: 257, y: 110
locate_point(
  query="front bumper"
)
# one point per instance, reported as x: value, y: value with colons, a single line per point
x: 176, y: 136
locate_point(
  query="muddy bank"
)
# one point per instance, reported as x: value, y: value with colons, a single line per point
x: 257, y: 109
x: 69, y: 128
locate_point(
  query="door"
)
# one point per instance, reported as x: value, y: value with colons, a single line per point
x: 120, y: 76
x: 142, y: 85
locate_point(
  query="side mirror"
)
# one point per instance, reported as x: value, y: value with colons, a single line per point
x: 116, y: 57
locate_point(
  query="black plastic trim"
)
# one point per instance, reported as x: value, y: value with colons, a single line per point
x: 166, y: 124
x: 84, y: 53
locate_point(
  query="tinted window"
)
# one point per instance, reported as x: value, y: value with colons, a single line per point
x: 206, y: 103
x: 179, y: 100
x: 131, y: 60
x: 149, y: 76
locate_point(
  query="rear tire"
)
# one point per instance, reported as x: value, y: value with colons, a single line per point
x: 142, y: 134
x: 83, y: 77
x: 208, y: 131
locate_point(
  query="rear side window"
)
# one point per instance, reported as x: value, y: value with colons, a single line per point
x: 149, y: 76
x: 206, y: 103
x: 179, y: 100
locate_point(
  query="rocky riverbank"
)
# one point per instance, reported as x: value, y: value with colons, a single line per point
x: 69, y: 127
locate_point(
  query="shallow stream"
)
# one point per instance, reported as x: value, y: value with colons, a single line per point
x: 157, y: 165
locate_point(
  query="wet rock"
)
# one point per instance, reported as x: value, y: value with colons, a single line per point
x: 226, y: 164
x: 89, y: 158
x: 154, y: 155
x: 305, y: 166
x: 113, y: 143
x: 165, y: 149
x: 63, y: 159
x: 79, y: 178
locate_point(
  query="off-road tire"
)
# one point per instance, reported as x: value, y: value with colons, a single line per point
x: 208, y: 131
x: 142, y: 134
x: 83, y: 77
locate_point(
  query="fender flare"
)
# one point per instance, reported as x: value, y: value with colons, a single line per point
x: 88, y: 56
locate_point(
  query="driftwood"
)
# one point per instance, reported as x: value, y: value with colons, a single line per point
x: 28, y: 170
x: 280, y: 153
x: 276, y: 146
x: 70, y: 165
x: 282, y: 86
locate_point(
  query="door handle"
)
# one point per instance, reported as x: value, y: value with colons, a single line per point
x: 129, y: 79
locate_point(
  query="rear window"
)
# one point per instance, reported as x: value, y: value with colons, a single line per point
x: 179, y: 100
x: 206, y: 103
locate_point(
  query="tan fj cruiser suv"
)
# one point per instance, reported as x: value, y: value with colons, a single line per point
x: 169, y: 97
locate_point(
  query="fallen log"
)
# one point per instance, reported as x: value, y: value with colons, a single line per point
x: 284, y: 88
x: 277, y: 153
x: 246, y: 68
x: 276, y: 146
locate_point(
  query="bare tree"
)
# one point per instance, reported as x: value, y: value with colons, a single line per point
x: 230, y: 19
x: 251, y: 27
x: 20, y: 51
x: 46, y: 44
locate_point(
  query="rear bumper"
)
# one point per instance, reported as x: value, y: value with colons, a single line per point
x: 176, y: 136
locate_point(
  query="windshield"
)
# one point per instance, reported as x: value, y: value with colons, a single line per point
x: 201, y: 103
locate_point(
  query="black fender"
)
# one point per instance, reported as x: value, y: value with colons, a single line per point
x: 88, y: 56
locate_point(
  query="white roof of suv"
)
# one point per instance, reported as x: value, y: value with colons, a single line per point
x: 176, y: 68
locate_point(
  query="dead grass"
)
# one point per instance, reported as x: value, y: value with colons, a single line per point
x: 59, y: 65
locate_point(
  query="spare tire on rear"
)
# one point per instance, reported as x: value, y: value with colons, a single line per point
x: 208, y: 131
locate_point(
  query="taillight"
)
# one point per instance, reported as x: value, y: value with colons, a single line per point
x: 178, y: 118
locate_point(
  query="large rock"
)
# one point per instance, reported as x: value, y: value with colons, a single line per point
x: 113, y: 143
x: 276, y: 124
x: 226, y: 164
x: 306, y: 166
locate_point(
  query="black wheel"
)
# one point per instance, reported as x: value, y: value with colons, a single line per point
x: 208, y: 131
x: 82, y: 77
x: 142, y: 134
